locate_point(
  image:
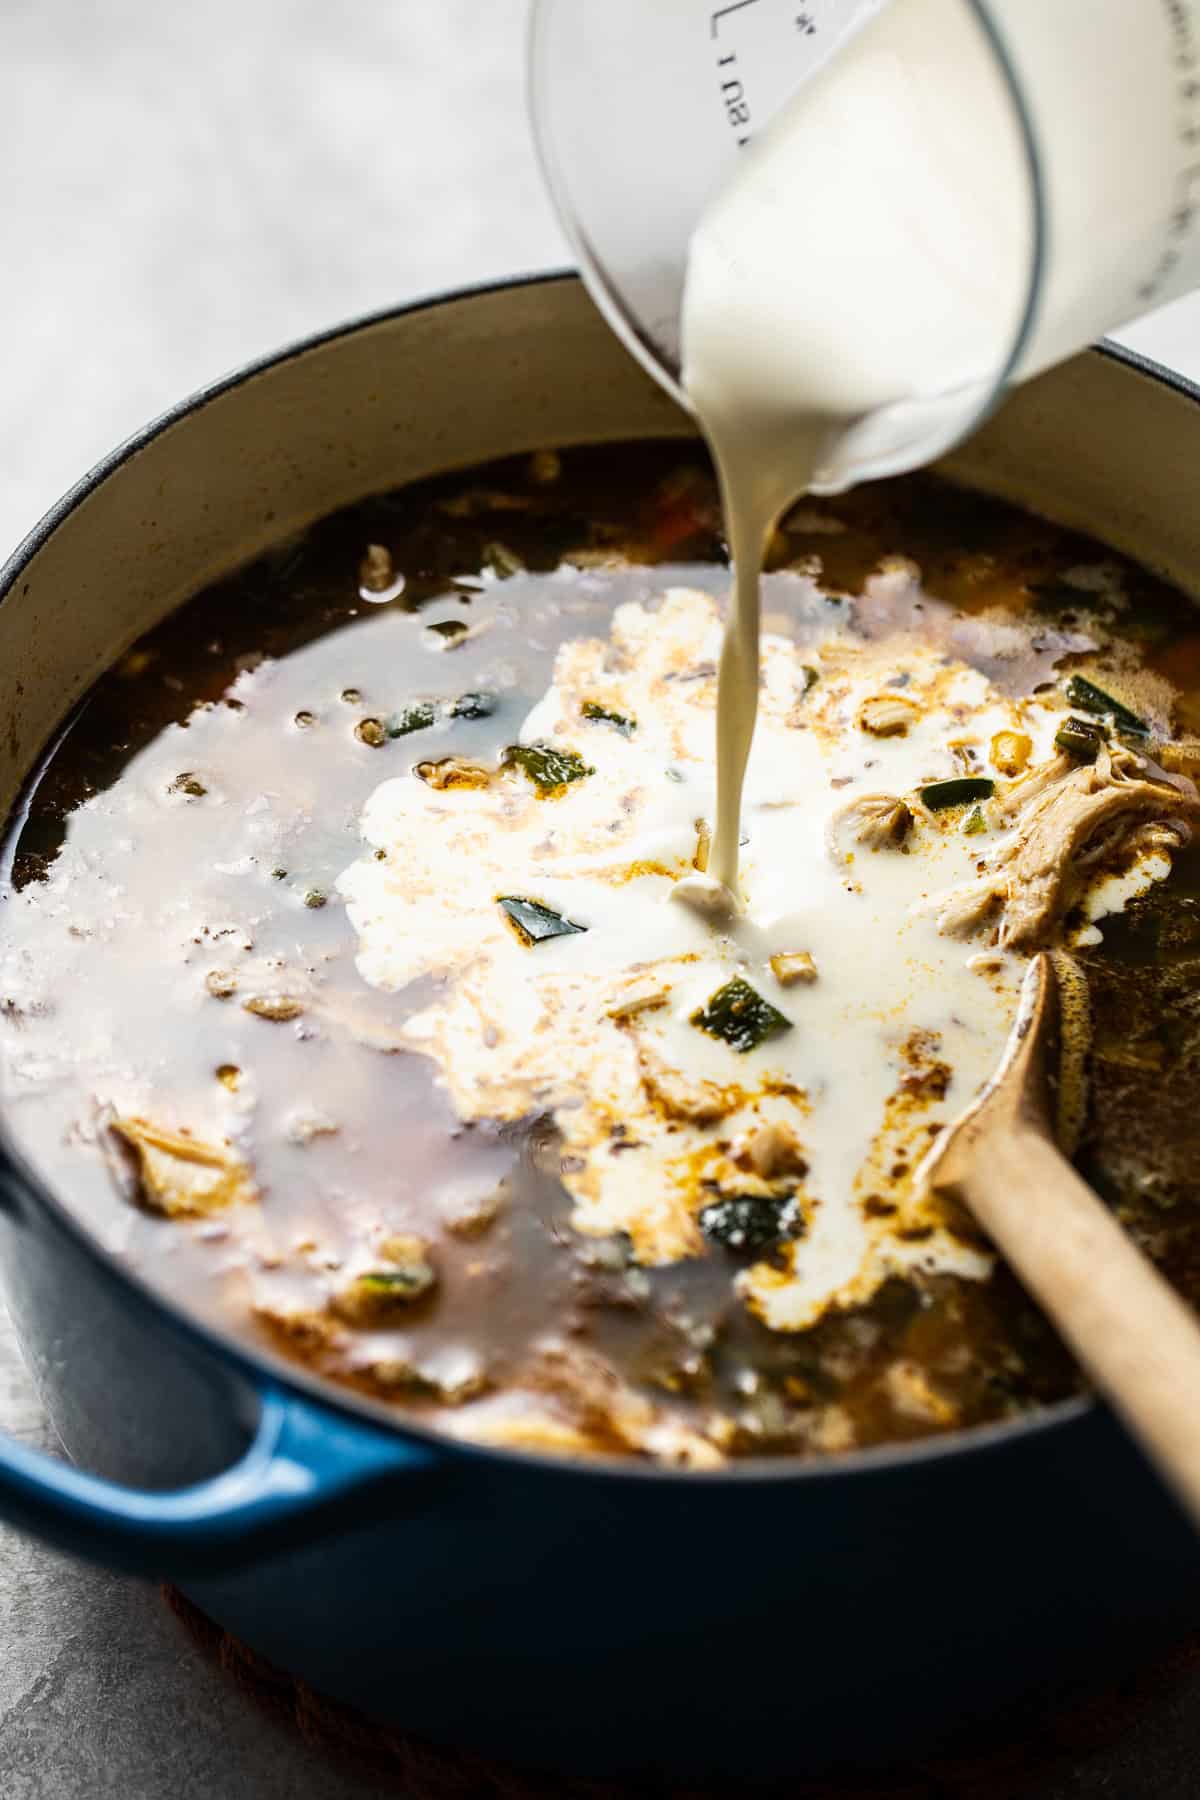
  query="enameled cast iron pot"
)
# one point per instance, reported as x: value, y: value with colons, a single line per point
x: 773, y: 1620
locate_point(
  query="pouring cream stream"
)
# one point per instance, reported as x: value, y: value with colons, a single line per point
x: 904, y: 158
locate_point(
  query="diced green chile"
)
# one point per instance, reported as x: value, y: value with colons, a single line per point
x: 749, y: 1222
x: 502, y: 561
x: 406, y: 1282
x: 601, y: 715
x: 546, y: 767
x: 533, y: 922
x: 417, y: 717
x: 740, y: 1017
x: 975, y: 823
x: 1092, y: 699
x: 374, y: 1298
x: 960, y: 790
x: 474, y: 706
x: 1080, y: 738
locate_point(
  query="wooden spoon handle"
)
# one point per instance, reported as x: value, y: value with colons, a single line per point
x: 1137, y: 1339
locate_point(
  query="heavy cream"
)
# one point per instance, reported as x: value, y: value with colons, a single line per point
x: 892, y: 1026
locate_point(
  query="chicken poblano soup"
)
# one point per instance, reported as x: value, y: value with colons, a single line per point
x: 353, y: 989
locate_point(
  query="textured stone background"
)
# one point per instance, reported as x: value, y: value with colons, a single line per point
x: 186, y: 186
x: 183, y: 187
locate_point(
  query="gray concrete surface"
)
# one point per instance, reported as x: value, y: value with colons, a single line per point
x: 182, y: 188
x: 102, y: 1693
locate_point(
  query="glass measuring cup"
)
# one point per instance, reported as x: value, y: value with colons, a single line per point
x: 644, y: 114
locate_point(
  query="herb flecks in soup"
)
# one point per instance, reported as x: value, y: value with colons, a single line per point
x: 345, y: 995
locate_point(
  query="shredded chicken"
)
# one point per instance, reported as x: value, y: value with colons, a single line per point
x: 305, y: 1329
x: 536, y: 1431
x: 278, y: 1008
x: 1069, y: 820
x: 913, y: 1396
x: 697, y: 1102
x: 375, y: 571
x: 178, y: 1175
x: 316, y: 1334
x: 706, y: 895
x: 303, y: 1128
x: 602, y: 1404
x: 887, y: 715
x: 1023, y: 792
x: 478, y: 1213
x: 968, y: 909
x: 832, y: 1430
x: 645, y: 993
x: 772, y: 1151
x: 454, y: 772
x: 877, y: 821
x: 1088, y: 817
x: 395, y: 1374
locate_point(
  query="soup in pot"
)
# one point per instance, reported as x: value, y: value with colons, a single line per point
x: 347, y: 993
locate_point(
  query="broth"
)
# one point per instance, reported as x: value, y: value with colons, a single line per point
x: 195, y: 1062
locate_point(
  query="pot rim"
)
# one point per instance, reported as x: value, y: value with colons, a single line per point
x: 259, y: 1366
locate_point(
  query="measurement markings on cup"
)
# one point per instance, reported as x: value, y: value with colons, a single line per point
x: 751, y: 59
x: 733, y: 88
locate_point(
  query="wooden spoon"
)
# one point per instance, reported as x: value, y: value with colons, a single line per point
x: 1136, y: 1338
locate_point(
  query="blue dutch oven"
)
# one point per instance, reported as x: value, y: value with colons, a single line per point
x: 777, y: 1619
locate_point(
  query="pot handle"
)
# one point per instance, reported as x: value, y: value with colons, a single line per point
x: 305, y: 1468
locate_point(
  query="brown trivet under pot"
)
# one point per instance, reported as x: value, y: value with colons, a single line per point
x: 1022, y: 1745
